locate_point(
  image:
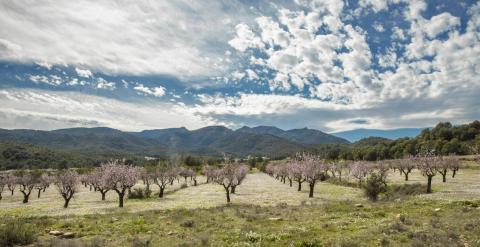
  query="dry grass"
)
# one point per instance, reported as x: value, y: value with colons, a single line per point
x: 257, y: 189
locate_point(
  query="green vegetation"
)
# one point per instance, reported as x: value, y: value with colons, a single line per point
x: 444, y: 139
x: 411, y: 223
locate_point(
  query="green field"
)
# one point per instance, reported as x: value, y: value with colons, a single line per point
x: 264, y: 212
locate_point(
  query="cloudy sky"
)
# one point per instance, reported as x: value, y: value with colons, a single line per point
x: 322, y: 64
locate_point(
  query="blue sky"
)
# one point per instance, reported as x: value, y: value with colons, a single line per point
x: 331, y: 65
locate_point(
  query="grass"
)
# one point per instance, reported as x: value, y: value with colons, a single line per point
x: 264, y: 212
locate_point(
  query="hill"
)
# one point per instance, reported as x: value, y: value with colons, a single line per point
x: 357, y: 134
x: 207, y: 141
x: 304, y: 136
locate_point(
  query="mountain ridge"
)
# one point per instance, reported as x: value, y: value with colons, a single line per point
x: 210, y: 140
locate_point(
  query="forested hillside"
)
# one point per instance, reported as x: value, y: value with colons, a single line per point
x: 444, y: 139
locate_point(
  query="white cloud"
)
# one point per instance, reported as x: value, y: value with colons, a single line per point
x: 104, y: 84
x: 378, y: 27
x: 51, y: 79
x: 140, y: 37
x: 37, y: 109
x: 440, y: 23
x: 83, y: 72
x: 155, y: 91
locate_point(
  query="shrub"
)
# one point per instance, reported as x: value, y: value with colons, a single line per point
x: 16, y: 232
x: 187, y: 223
x: 139, y: 193
x: 376, y: 184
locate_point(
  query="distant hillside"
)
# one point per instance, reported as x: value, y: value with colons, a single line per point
x: 211, y: 140
x: 304, y: 136
x: 355, y: 135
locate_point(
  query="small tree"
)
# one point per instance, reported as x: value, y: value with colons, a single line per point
x: 147, y: 179
x: 428, y: 165
x: 241, y: 173
x: 162, y: 177
x: 27, y: 183
x: 360, y: 170
x: 455, y: 164
x: 227, y: 176
x: 11, y: 181
x: 97, y: 180
x: 120, y: 177
x: 208, y: 172
x: 313, y: 170
x: 375, y: 185
x: 43, y: 183
x: 295, y: 171
x: 67, y: 184
x: 406, y: 165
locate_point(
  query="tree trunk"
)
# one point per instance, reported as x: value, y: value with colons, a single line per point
x: 12, y: 192
x: 228, y: 194
x: 444, y: 175
x: 103, y: 194
x: 312, y: 186
x: 160, y: 194
x: 195, y: 182
x: 67, y: 200
x: 290, y: 180
x: 0, y: 196
x: 120, y: 199
x: 25, y: 197
x: 44, y: 188
x: 232, y: 190
x: 38, y: 195
x: 299, y: 186
x: 454, y: 172
x: 429, y: 184
x: 406, y: 176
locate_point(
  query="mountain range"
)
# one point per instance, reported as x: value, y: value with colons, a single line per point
x: 210, y: 141
x: 358, y: 134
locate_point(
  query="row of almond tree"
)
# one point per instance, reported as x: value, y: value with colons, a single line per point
x: 311, y: 169
x: 119, y: 177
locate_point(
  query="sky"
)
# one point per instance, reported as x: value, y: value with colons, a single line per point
x: 326, y: 64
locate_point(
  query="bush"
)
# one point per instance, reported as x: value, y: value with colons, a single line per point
x: 15, y: 232
x: 139, y: 193
x: 375, y: 185
x: 187, y: 223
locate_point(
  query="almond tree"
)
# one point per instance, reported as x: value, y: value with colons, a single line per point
x: 43, y: 183
x: 241, y: 173
x: 97, y: 180
x: 120, y: 177
x: 406, y: 165
x: 295, y: 171
x: 11, y: 181
x: 450, y: 162
x: 27, y: 183
x: 227, y: 176
x: 428, y: 164
x: 162, y: 177
x: 360, y: 170
x: 146, y: 177
x: 281, y: 172
x: 313, y: 170
x: 184, y: 172
x: 67, y: 184
x: 208, y: 171
x: 270, y: 169
x: 455, y: 165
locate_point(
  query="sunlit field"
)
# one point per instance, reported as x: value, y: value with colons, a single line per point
x: 263, y: 212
